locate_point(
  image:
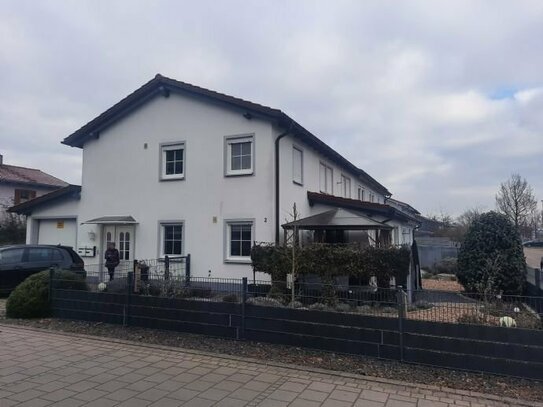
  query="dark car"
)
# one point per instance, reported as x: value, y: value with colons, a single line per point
x: 533, y: 243
x: 20, y: 261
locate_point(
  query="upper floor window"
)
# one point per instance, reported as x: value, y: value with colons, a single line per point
x: 239, y: 155
x: 23, y: 195
x: 172, y: 161
x: 361, y: 193
x: 326, y: 176
x: 345, y: 186
x: 297, y: 166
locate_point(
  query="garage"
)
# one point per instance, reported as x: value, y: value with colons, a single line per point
x: 57, y: 231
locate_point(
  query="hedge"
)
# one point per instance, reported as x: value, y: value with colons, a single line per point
x: 333, y: 260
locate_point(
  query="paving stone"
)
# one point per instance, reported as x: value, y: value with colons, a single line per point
x: 51, y: 369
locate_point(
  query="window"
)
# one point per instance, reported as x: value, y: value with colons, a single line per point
x: 372, y: 197
x: 124, y: 246
x: 11, y: 256
x: 23, y: 195
x: 239, y: 155
x: 172, y: 161
x: 297, y: 166
x: 361, y: 193
x: 345, y: 186
x: 37, y: 254
x: 172, y: 239
x: 326, y: 179
x: 239, y: 240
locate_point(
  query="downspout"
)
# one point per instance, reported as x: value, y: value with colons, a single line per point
x: 277, y: 201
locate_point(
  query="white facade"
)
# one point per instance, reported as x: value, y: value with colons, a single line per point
x: 123, y: 175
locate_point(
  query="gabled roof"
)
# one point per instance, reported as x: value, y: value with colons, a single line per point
x: 27, y: 207
x: 404, y: 206
x: 370, y: 208
x: 337, y: 219
x: 161, y: 85
x: 29, y: 176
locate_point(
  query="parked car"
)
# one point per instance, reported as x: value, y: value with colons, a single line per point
x: 17, y: 262
x: 533, y: 243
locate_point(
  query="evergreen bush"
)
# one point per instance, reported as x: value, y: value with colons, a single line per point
x: 491, y: 259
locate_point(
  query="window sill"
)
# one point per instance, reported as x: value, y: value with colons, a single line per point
x: 301, y: 184
x: 240, y: 260
x: 176, y: 178
x: 239, y: 173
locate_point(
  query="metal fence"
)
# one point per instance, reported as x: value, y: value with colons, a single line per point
x: 157, y: 278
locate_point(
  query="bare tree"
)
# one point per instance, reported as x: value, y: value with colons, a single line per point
x: 516, y: 200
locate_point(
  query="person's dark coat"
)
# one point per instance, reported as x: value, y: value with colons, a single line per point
x: 112, y: 258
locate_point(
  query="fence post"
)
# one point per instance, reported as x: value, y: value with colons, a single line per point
x: 243, y: 303
x: 51, y: 279
x: 129, y: 289
x: 537, y: 280
x: 166, y: 267
x: 401, y: 301
x: 187, y: 270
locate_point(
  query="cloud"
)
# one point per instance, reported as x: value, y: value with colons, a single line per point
x: 438, y: 101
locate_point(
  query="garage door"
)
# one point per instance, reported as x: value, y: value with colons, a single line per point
x: 57, y: 231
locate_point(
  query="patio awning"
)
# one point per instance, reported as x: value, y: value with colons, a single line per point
x: 337, y: 219
x: 109, y: 220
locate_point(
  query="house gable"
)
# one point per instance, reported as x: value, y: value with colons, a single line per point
x: 161, y: 86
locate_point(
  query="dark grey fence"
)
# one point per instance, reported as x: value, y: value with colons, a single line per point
x: 237, y: 310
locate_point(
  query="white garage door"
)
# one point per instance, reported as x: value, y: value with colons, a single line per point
x: 57, y: 231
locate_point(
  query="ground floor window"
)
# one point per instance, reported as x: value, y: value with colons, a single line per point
x: 172, y: 239
x: 239, y: 238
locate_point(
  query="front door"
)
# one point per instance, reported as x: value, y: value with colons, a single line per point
x: 123, y: 237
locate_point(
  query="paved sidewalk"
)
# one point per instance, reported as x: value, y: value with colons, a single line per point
x: 39, y: 368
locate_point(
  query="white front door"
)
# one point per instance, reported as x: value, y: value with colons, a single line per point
x: 123, y: 237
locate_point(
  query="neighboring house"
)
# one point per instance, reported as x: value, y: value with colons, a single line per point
x: 21, y: 184
x: 174, y: 169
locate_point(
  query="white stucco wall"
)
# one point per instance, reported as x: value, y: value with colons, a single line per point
x: 293, y: 193
x: 121, y: 177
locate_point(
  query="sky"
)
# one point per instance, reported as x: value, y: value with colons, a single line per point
x: 440, y: 101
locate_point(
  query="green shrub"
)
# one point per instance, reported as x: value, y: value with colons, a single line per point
x: 332, y: 260
x: 491, y: 258
x: 30, y: 299
x: 295, y: 304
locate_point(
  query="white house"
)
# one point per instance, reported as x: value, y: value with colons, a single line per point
x: 174, y: 169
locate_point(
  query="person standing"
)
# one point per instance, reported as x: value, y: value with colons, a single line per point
x: 112, y: 259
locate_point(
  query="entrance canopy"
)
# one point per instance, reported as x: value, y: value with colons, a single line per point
x: 109, y: 220
x: 337, y: 219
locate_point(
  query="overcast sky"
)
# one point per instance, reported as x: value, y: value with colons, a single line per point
x: 438, y: 100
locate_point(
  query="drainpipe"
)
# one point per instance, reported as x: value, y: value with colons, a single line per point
x: 277, y: 201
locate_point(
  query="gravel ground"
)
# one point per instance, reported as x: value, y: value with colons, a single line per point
x: 441, y: 285
x: 501, y: 386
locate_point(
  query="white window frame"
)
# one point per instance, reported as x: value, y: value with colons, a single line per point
x: 228, y: 223
x: 229, y: 141
x: 162, y: 230
x: 301, y: 180
x: 361, y: 193
x: 345, y: 181
x: 326, y: 168
x: 169, y: 147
